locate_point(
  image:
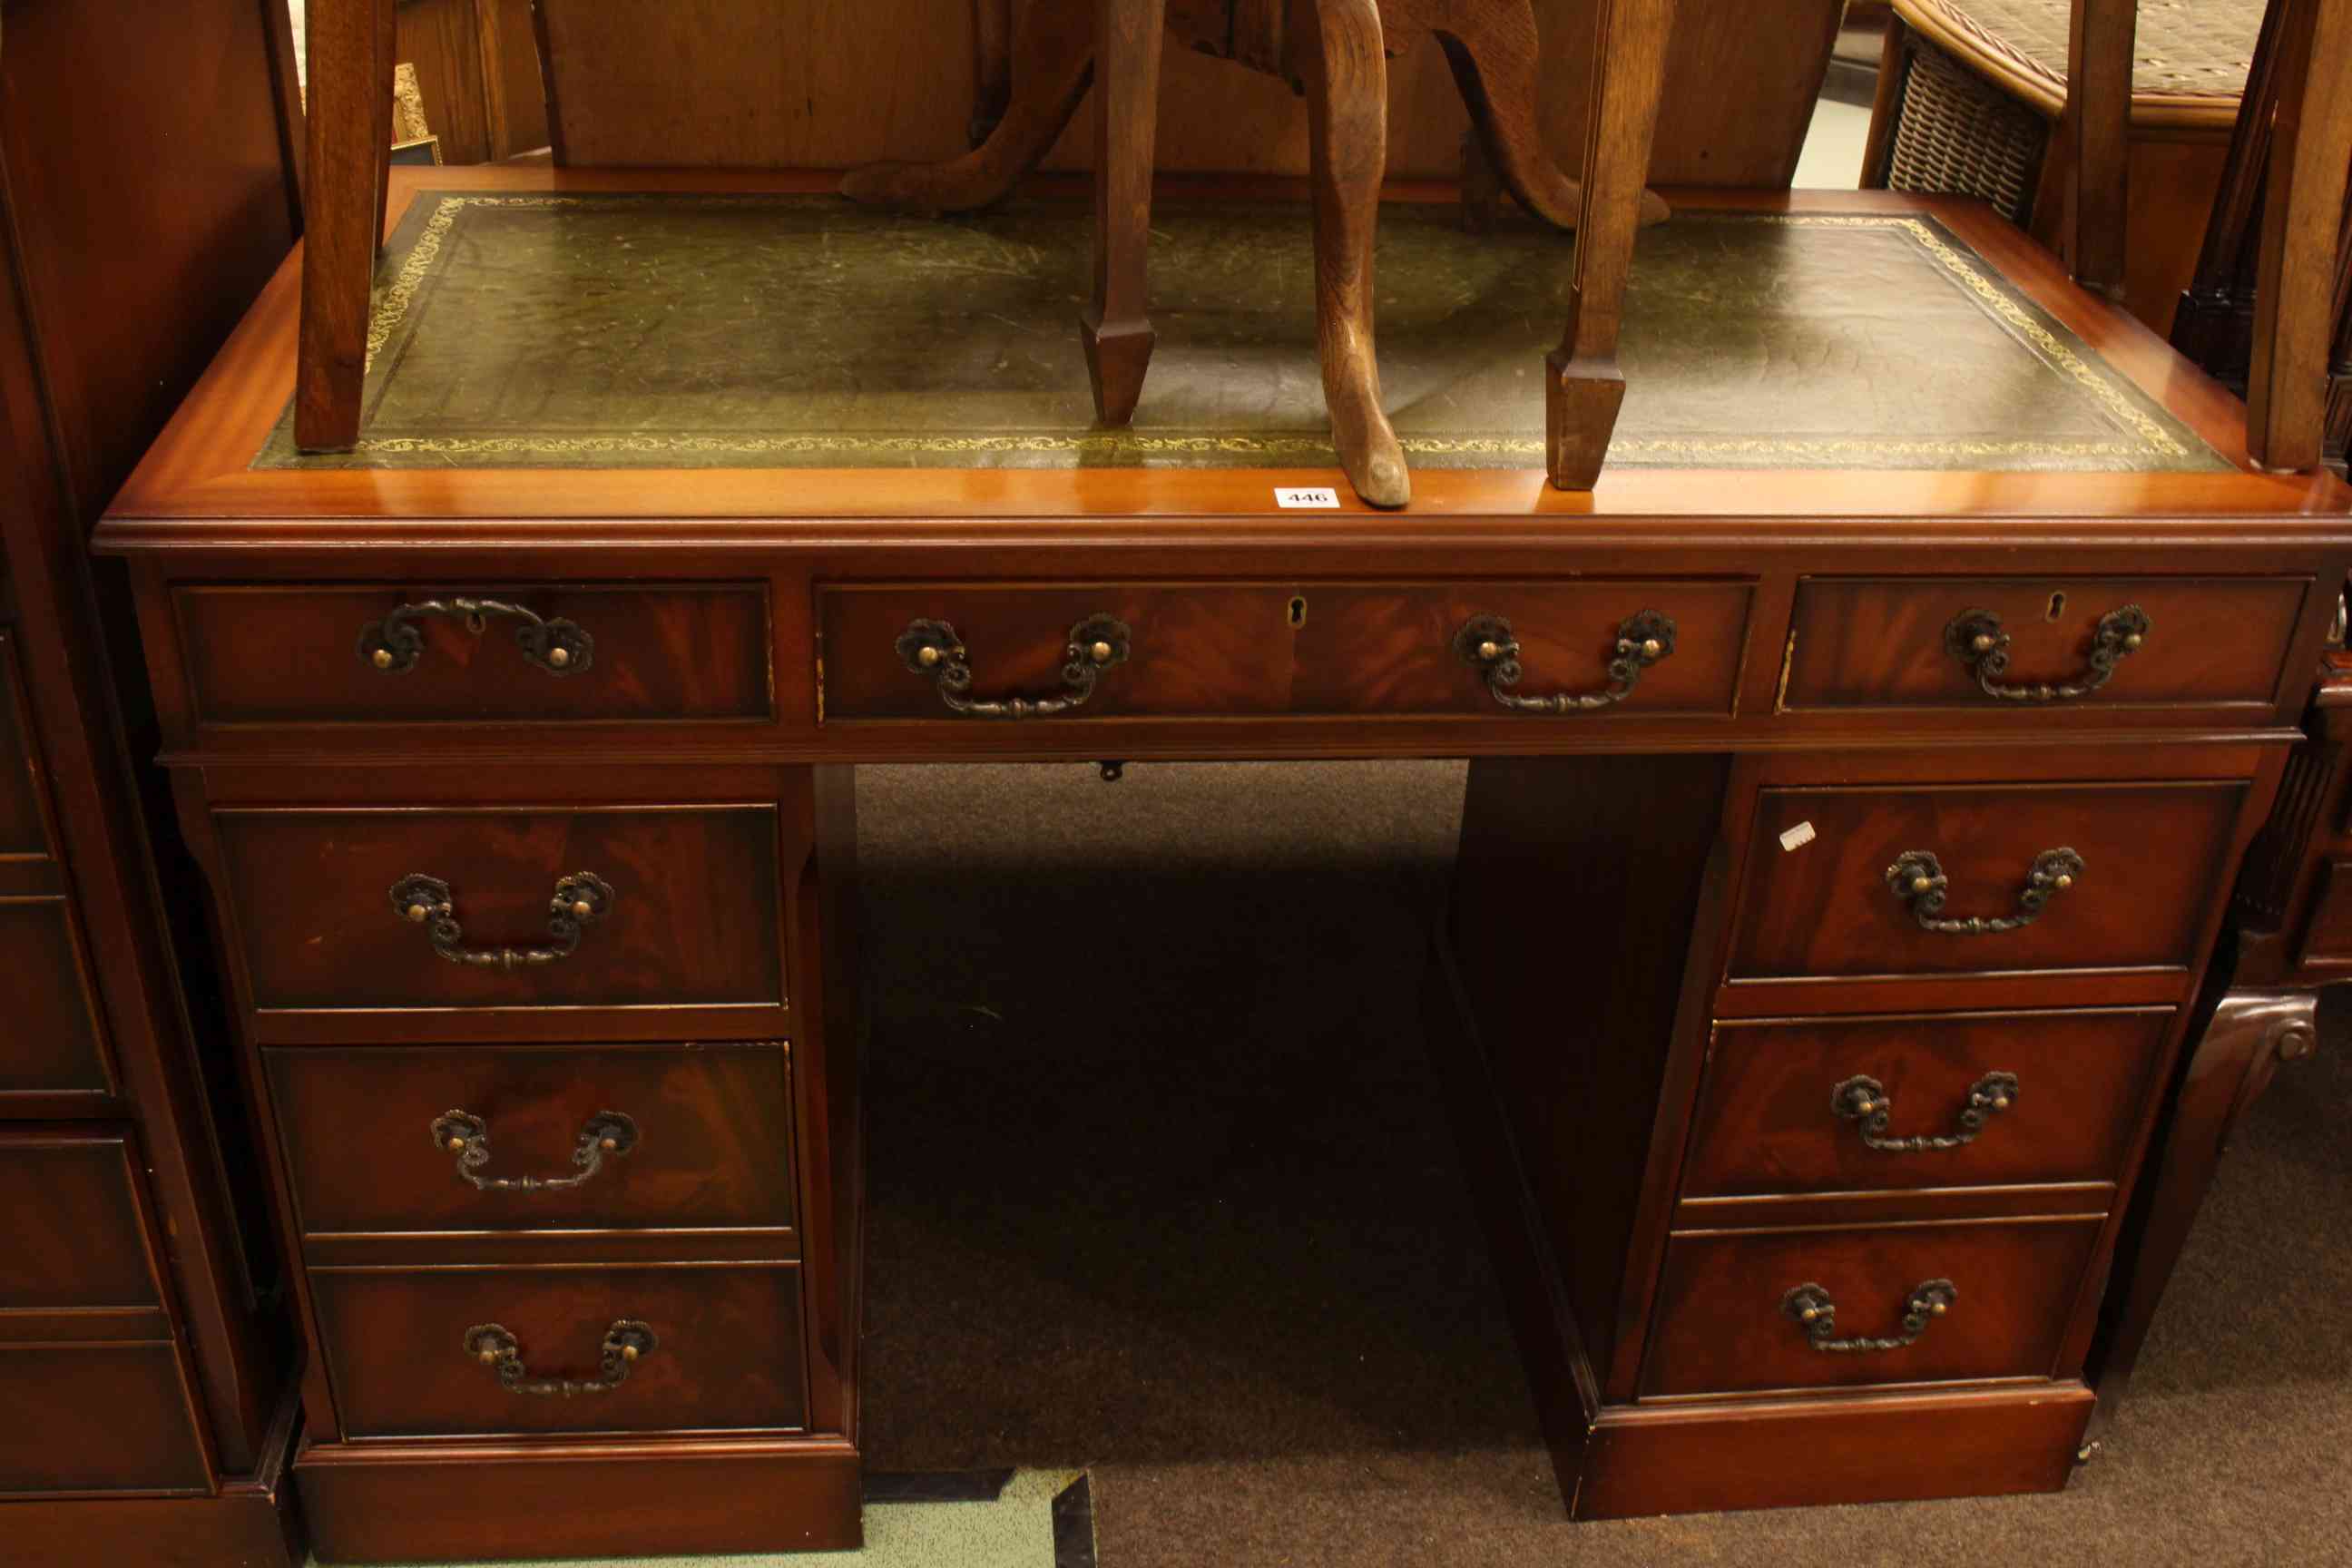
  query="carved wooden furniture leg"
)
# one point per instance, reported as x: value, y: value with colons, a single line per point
x: 2252, y: 1032
x: 991, y: 66
x: 1051, y: 62
x: 1348, y: 108
x: 1585, y: 389
x: 350, y: 115
x: 2097, y: 121
x: 1492, y: 47
x: 1118, y: 337
x: 2311, y: 154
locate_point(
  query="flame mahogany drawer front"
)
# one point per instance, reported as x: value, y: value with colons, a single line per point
x: 506, y: 906
x: 1872, y: 1104
x: 1729, y: 1308
x: 487, y: 1351
x: 1215, y: 650
x: 2035, y: 644
x: 396, y: 653
x: 1976, y: 877
x: 98, y: 1417
x: 472, y: 1138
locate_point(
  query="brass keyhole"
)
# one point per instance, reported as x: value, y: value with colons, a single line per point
x: 1298, y: 613
x: 2057, y: 606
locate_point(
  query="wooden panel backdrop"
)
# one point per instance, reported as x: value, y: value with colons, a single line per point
x: 832, y: 83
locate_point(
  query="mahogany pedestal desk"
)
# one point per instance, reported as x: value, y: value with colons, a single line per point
x: 1855, y: 795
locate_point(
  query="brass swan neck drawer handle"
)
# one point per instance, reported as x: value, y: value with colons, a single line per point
x: 393, y: 645
x: 468, y: 1136
x: 1866, y: 1102
x: 580, y: 899
x: 625, y: 1343
x: 1811, y: 1308
x: 1917, y: 878
x: 1484, y: 643
x: 1976, y: 640
x: 932, y: 648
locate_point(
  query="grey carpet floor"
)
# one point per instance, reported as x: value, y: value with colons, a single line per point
x: 1160, y: 1187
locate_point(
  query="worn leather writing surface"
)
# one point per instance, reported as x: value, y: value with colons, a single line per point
x: 727, y: 330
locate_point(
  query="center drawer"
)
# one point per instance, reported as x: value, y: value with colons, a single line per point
x: 382, y: 1139
x: 1976, y: 878
x: 640, y: 906
x: 1228, y: 650
x: 483, y: 1351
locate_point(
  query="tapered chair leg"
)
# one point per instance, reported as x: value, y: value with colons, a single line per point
x: 1118, y: 334
x: 1347, y: 109
x: 1584, y: 388
x: 1051, y: 62
x: 350, y: 69
x: 1494, y: 52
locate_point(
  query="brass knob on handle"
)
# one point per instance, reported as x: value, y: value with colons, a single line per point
x: 1652, y: 648
x: 1982, y: 642
x: 456, y: 1146
x: 486, y: 1355
x: 1100, y: 653
x: 1489, y: 651
x: 928, y: 657
x: 416, y: 913
x: 582, y: 908
x: 558, y: 656
x: 381, y: 659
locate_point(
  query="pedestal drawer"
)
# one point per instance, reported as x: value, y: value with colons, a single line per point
x: 1872, y: 1104
x: 98, y: 1418
x: 2042, y: 643
x: 517, y: 653
x: 1729, y: 1309
x: 1220, y: 650
x: 1974, y: 877
x: 384, y: 1138
x: 638, y: 906
x: 481, y: 1351
x: 81, y: 1244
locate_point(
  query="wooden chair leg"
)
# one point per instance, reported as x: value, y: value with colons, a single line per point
x: 2097, y: 121
x: 1492, y: 48
x: 1346, y: 116
x: 1118, y: 336
x: 2295, y: 305
x: 342, y: 216
x: 1052, y: 59
x: 387, y: 69
x: 2252, y: 1032
x: 1584, y: 388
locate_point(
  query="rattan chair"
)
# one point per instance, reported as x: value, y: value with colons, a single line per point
x: 1973, y: 92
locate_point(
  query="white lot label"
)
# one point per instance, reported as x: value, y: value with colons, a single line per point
x: 1323, y: 500
x: 1797, y: 837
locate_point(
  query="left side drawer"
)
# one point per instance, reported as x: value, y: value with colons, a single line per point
x: 454, y: 653
x: 391, y: 1139
x: 435, y: 909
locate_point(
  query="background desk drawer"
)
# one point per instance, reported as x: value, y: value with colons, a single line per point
x: 341, y: 654
x: 2152, y: 856
x: 688, y: 912
x: 1871, y: 643
x: 1772, y: 1119
x: 706, y: 1141
x: 725, y: 1354
x: 71, y: 1234
x: 1722, y: 1326
x: 1215, y: 650
x: 96, y: 1417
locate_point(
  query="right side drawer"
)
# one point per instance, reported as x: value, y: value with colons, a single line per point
x: 1853, y: 1105
x: 1914, y: 642
x: 385, y: 1139
x: 1842, y: 880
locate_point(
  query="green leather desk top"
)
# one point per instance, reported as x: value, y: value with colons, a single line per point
x: 684, y: 331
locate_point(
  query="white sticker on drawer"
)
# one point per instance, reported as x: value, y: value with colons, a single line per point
x: 1311, y: 499
x: 1797, y: 837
